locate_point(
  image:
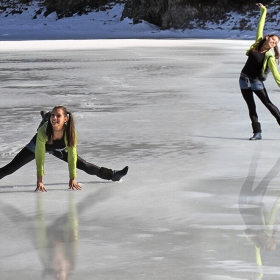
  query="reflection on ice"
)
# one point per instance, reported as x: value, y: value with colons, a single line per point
x: 57, y: 243
x: 260, y: 224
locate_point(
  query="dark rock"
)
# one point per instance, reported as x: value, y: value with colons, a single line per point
x: 183, y: 14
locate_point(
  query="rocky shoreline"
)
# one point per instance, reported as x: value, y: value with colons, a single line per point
x: 166, y: 14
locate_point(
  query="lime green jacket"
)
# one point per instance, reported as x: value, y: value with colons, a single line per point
x: 40, y: 152
x: 270, y: 62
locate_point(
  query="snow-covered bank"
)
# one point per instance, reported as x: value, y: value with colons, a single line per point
x: 101, y: 25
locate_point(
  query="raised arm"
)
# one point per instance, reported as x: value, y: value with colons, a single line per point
x: 261, y: 23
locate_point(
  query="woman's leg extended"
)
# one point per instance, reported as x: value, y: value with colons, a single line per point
x: 22, y: 158
x: 263, y: 96
x: 89, y: 168
x: 249, y: 99
x: 92, y: 169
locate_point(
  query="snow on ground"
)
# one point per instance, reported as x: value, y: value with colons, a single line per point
x: 101, y: 25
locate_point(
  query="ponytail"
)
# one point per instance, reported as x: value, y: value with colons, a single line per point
x: 70, y: 130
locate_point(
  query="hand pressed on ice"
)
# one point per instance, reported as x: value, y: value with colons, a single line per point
x: 40, y: 187
x: 74, y: 185
x: 259, y: 4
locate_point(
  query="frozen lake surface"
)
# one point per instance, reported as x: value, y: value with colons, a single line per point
x: 172, y: 111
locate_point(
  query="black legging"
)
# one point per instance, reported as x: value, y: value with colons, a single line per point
x: 263, y: 96
x: 25, y: 156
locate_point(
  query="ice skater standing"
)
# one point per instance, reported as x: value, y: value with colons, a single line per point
x: 260, y: 60
x: 57, y: 135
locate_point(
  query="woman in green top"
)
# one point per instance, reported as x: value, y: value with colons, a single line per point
x: 260, y: 59
x: 57, y: 135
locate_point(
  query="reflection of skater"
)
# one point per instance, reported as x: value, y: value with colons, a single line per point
x: 260, y: 225
x: 57, y: 243
x: 57, y: 136
x: 56, y: 239
x: 251, y: 79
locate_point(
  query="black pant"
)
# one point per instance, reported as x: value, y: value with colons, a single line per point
x: 25, y: 156
x: 263, y: 96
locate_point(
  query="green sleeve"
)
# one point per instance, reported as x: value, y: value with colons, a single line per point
x: 274, y: 70
x: 258, y: 256
x: 259, y: 34
x: 261, y: 24
x: 259, y: 262
x: 72, y: 159
x: 40, y: 149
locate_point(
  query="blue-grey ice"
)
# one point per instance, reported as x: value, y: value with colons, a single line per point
x: 172, y: 111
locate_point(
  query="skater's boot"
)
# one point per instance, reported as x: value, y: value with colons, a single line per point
x: 45, y: 117
x: 256, y: 131
x: 256, y: 136
x: 43, y: 113
x: 118, y: 174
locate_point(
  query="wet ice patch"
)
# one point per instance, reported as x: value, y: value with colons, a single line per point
x: 143, y: 235
x: 160, y: 230
x: 197, y: 195
x: 157, y: 258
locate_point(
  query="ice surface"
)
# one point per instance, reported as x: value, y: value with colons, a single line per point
x: 174, y: 114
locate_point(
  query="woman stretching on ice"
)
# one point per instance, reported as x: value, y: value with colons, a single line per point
x: 260, y: 56
x: 57, y: 135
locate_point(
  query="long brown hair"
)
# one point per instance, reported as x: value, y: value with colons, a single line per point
x: 69, y: 127
x: 258, y: 46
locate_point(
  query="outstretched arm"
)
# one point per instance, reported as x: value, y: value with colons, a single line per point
x: 261, y: 23
x: 72, y: 162
x: 40, y: 150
